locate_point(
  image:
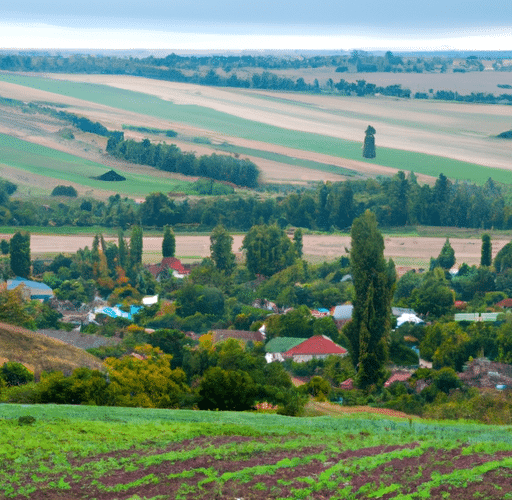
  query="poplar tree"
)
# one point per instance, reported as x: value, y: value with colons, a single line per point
x: 373, y: 281
x: 168, y: 243
x: 136, y: 246
x: 19, y: 248
x: 486, y: 257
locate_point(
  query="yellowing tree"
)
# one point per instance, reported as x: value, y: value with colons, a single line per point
x: 145, y: 379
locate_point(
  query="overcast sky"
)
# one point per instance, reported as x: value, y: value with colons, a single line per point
x: 261, y: 24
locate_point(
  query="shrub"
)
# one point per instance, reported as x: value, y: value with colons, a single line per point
x: 64, y: 191
x: 15, y: 374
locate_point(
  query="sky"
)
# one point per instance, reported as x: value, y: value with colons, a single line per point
x: 257, y: 25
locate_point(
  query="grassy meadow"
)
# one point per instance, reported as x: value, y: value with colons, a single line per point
x: 131, y: 453
x: 225, y: 123
x: 59, y: 167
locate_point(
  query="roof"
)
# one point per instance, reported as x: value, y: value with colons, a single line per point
x: 347, y: 384
x: 342, y: 312
x: 167, y: 263
x: 243, y: 335
x: 36, y: 289
x: 282, y: 344
x: 400, y: 376
x: 504, y: 303
x: 398, y: 311
x: 318, y: 344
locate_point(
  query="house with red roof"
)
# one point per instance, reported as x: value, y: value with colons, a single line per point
x: 316, y: 347
x: 398, y: 376
x: 168, y: 264
x: 504, y: 304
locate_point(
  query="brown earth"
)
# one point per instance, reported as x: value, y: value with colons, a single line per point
x: 454, y: 130
x: 208, y: 476
x: 407, y: 251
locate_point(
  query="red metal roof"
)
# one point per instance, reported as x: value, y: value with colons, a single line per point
x: 504, y: 303
x: 318, y: 344
x: 167, y: 263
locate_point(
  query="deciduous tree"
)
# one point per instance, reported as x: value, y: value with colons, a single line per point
x: 221, y: 243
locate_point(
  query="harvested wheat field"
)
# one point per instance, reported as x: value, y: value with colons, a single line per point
x: 297, y: 125
x: 406, y: 251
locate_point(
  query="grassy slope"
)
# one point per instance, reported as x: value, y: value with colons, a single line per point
x: 40, y: 353
x: 60, y: 166
x: 238, y: 127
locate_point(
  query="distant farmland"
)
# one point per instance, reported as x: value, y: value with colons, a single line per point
x: 408, y: 131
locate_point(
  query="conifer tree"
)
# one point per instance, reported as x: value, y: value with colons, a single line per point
x: 168, y: 243
x: 123, y: 250
x: 446, y: 258
x: 486, y: 257
x: 136, y: 246
x: 19, y: 248
x: 369, y: 143
x: 297, y: 241
x: 371, y: 318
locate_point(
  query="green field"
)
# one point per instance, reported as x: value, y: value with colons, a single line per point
x: 224, y: 123
x: 132, y: 453
x: 59, y: 166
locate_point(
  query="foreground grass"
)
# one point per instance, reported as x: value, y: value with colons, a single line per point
x: 97, y: 452
x: 225, y: 123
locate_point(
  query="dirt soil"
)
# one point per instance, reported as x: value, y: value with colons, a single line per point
x: 404, y: 250
x: 407, y: 475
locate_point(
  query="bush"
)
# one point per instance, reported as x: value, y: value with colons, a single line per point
x: 15, y: 374
x: 64, y: 191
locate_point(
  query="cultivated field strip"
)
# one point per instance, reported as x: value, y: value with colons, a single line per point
x: 351, y: 459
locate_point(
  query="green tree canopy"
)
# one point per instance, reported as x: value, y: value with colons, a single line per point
x: 486, y: 257
x: 136, y: 245
x: 19, y: 249
x: 268, y: 250
x: 446, y: 258
x: 168, y: 243
x: 221, y: 243
x: 369, y: 143
x: 369, y: 329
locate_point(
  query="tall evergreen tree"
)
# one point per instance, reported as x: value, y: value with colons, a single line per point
x: 371, y: 319
x: 168, y: 243
x: 221, y: 243
x: 19, y: 248
x: 369, y: 143
x: 123, y: 250
x: 446, y: 258
x: 136, y: 246
x: 486, y: 257
x: 297, y: 241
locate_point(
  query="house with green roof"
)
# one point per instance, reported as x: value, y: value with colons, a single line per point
x: 278, y: 345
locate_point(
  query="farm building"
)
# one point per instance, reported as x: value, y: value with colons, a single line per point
x: 316, y: 347
x: 33, y: 289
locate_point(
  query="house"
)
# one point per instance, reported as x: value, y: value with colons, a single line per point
x: 342, y: 314
x: 483, y: 373
x: 504, y: 304
x: 276, y: 347
x: 168, y: 264
x: 34, y: 289
x: 242, y: 335
x: 398, y: 376
x: 316, y: 347
x: 347, y: 385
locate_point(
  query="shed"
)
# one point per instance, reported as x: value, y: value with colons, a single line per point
x: 35, y: 289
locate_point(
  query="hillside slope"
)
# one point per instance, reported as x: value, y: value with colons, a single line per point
x: 40, y: 353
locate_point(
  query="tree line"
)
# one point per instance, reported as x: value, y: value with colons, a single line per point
x: 170, y: 158
x: 396, y: 201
